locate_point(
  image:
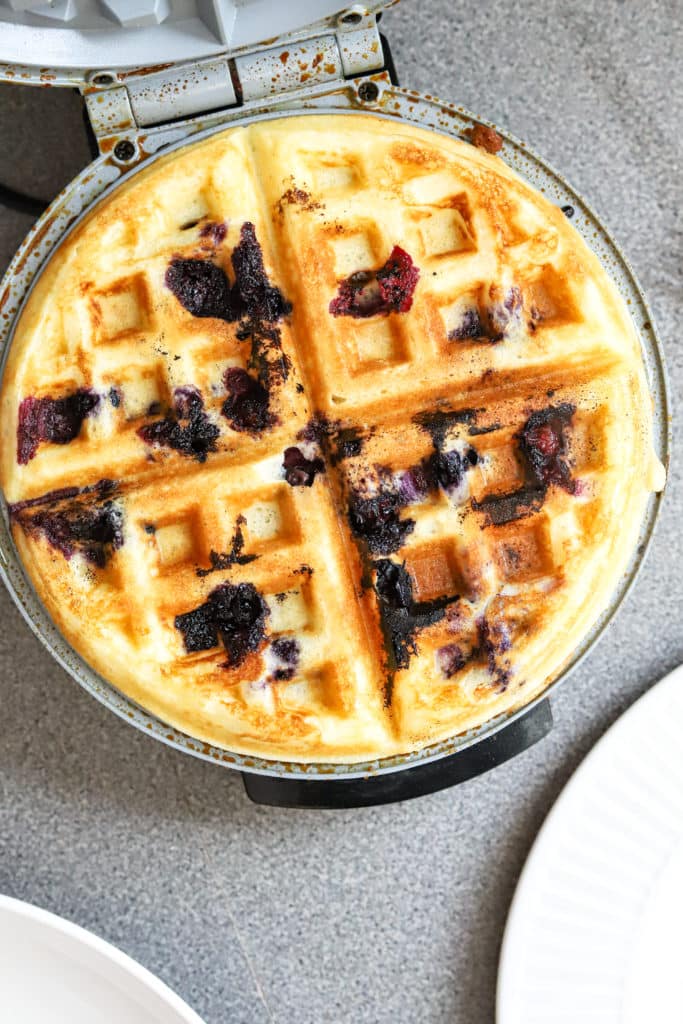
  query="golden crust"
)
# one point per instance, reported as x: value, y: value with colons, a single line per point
x: 330, y: 195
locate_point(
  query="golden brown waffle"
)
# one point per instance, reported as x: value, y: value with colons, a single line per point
x: 419, y: 509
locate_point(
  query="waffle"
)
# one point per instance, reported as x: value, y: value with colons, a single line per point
x: 326, y: 438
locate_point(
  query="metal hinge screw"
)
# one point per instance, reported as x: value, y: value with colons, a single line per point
x: 368, y: 92
x: 124, y: 151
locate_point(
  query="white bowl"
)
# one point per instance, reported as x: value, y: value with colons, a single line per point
x: 53, y: 972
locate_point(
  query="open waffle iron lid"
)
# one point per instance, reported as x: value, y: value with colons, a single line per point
x: 138, y: 109
x: 73, y: 35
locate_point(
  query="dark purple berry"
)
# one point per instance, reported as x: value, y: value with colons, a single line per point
x: 543, y: 444
x: 390, y: 289
x: 57, y: 420
x: 235, y: 614
x: 377, y: 520
x: 246, y: 407
x: 187, y: 430
x: 300, y: 471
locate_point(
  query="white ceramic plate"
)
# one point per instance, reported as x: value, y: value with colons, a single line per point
x: 53, y: 972
x: 594, y: 931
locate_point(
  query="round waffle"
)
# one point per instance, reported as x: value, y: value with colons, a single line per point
x: 326, y: 438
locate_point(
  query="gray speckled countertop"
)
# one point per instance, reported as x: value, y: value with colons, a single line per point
x: 393, y: 914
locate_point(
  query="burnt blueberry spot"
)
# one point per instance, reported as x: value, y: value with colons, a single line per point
x: 57, y: 420
x: 300, y: 471
x: 542, y: 444
x: 199, y: 629
x: 389, y: 289
x: 258, y: 298
x: 300, y: 389
x: 437, y: 424
x: 474, y: 431
x: 76, y: 521
x: 246, y: 407
x: 318, y: 429
x: 348, y: 443
x: 201, y: 288
x: 401, y: 617
x: 377, y: 521
x: 446, y: 469
x: 451, y: 659
x: 114, y: 397
x: 234, y: 614
x: 505, y: 508
x: 224, y: 560
x: 286, y: 650
x: 187, y: 430
x: 204, y: 290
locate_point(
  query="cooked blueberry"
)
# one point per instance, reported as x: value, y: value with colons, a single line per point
x: 390, y: 289
x: 73, y: 521
x: 300, y: 471
x: 246, y: 407
x: 446, y: 469
x: 393, y: 584
x: 57, y: 420
x: 377, y: 520
x: 414, y: 485
x: 199, y: 630
x: 397, y: 281
x: 201, y: 288
x: 188, y: 429
x: 542, y: 444
x: 236, y: 614
x: 287, y: 652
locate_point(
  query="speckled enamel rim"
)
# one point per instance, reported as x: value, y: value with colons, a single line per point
x: 103, y: 175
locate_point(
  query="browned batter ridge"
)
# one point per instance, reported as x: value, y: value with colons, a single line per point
x: 326, y: 438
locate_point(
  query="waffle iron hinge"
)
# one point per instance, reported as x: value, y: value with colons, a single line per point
x: 120, y: 103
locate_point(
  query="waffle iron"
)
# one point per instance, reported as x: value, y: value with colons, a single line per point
x: 157, y: 74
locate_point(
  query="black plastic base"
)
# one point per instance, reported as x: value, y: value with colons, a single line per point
x: 408, y: 783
